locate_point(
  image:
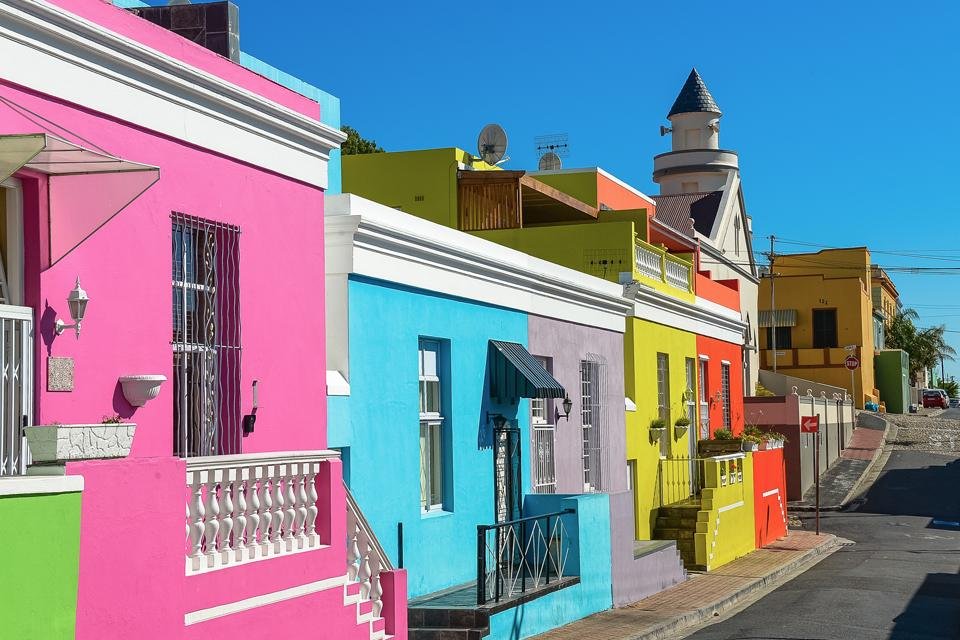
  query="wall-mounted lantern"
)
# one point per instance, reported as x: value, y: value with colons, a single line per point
x: 77, y: 303
x: 567, y: 406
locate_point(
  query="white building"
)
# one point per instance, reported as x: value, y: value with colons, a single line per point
x: 701, y: 196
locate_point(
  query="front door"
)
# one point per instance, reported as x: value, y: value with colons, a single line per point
x: 16, y: 336
x: 506, y: 473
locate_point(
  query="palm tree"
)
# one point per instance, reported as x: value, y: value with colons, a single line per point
x: 924, y: 346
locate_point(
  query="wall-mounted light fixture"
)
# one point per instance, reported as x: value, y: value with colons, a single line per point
x: 499, y: 421
x: 567, y: 406
x: 77, y: 303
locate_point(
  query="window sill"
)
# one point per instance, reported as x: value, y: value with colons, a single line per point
x: 434, y: 513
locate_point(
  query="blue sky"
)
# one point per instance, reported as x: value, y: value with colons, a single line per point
x: 844, y: 114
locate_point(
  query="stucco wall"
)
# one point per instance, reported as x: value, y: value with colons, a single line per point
x: 38, y: 592
x: 382, y: 424
x: 589, y: 535
x: 719, y: 351
x: 566, y: 344
x: 642, y: 341
x: 892, y: 370
x: 125, y: 268
x: 769, y: 496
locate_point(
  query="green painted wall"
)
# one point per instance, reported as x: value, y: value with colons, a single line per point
x: 642, y: 341
x: 38, y: 591
x: 892, y: 377
x: 421, y: 183
x: 582, y: 186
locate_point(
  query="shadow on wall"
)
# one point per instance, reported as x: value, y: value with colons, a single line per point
x: 489, y: 407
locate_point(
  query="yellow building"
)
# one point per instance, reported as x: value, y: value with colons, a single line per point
x: 824, y: 312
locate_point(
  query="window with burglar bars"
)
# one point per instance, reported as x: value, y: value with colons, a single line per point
x: 725, y: 393
x: 541, y: 417
x: 663, y: 400
x: 206, y: 337
x: 591, y: 419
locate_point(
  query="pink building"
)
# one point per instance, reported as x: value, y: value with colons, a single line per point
x: 174, y: 184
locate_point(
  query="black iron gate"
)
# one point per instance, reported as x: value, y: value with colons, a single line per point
x: 506, y: 473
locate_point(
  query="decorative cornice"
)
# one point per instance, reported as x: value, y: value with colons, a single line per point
x: 480, y: 270
x: 68, y: 38
x: 698, y: 317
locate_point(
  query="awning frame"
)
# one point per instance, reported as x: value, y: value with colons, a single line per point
x: 515, y: 374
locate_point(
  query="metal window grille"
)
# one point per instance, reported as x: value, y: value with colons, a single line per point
x: 663, y: 399
x: 431, y: 427
x: 725, y: 393
x: 16, y: 387
x: 704, y: 402
x: 206, y: 337
x: 591, y: 418
x: 544, y: 470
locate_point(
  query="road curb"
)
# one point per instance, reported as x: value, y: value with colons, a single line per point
x: 669, y: 628
x: 860, y: 485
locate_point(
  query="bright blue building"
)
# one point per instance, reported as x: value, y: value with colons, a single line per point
x: 427, y: 324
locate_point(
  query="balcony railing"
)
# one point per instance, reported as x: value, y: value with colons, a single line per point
x: 658, y: 264
x: 521, y: 555
x: 366, y: 559
x: 249, y: 507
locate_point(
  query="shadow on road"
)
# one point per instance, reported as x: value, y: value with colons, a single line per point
x: 932, y: 492
x: 933, y: 611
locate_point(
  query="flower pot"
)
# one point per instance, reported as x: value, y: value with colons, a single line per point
x: 140, y: 388
x: 750, y: 446
x: 59, y: 443
x: 707, y: 448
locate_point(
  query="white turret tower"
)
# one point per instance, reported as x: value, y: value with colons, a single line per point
x: 695, y: 163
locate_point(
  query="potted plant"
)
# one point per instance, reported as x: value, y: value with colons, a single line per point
x: 681, y: 425
x: 57, y: 443
x: 657, y: 427
x: 722, y: 443
x: 750, y: 442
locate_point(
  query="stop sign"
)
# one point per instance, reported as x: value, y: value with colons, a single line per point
x: 852, y: 362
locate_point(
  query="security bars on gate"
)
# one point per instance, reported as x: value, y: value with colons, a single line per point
x: 521, y: 555
x: 206, y: 337
x: 680, y: 479
x: 16, y: 387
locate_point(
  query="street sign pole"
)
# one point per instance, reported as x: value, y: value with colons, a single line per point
x: 811, y: 424
x: 816, y: 465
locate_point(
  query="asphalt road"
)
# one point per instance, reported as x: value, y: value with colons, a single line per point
x: 899, y: 581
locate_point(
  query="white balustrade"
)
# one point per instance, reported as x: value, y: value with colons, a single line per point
x: 648, y: 262
x: 365, y: 557
x: 678, y: 275
x: 250, y: 507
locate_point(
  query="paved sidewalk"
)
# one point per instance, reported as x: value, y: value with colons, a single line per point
x: 704, y: 595
x: 838, y: 482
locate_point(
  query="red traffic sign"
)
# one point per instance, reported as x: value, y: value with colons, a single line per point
x: 852, y: 362
x: 810, y: 424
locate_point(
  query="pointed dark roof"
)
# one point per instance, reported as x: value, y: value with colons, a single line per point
x: 694, y: 97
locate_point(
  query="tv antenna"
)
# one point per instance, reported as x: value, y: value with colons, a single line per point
x: 492, y: 144
x: 550, y: 149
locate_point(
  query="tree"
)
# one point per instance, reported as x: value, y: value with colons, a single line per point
x: 357, y: 144
x: 924, y: 346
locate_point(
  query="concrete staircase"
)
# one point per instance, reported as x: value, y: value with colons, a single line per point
x: 375, y: 625
x: 679, y: 522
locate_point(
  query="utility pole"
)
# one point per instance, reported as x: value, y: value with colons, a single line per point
x: 773, y: 305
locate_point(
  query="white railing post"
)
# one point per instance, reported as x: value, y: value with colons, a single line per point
x: 365, y: 557
x: 251, y: 506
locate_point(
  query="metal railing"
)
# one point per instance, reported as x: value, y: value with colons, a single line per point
x: 680, y: 479
x: 521, y: 555
x: 365, y: 557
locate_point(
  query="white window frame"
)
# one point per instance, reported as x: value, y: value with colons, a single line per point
x: 540, y: 407
x: 703, y: 366
x: 591, y: 423
x: 431, y: 428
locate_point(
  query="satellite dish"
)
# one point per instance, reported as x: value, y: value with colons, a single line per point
x: 492, y: 144
x: 549, y: 162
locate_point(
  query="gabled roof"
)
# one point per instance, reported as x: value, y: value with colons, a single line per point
x: 676, y: 211
x: 694, y: 97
